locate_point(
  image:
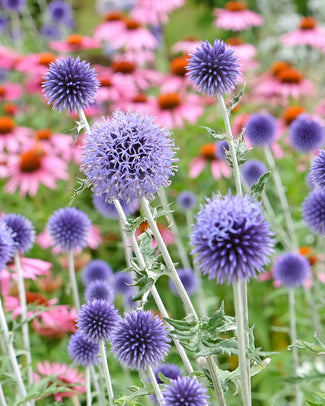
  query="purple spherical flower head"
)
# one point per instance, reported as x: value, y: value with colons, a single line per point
x: 291, y: 269
x: 140, y: 340
x: 51, y: 32
x: 231, y: 238
x: 96, y: 320
x: 213, y: 68
x: 96, y: 269
x: 221, y: 148
x: 13, y: 5
x: 185, y: 391
x: 59, y: 11
x: 70, y: 84
x: 122, y: 283
x: 4, y: 22
x: 306, y: 134
x: 22, y: 230
x: 128, y: 156
x: 99, y: 290
x: 189, y: 280
x: 317, y: 172
x: 83, y: 352
x: 313, y: 212
x: 170, y: 371
x: 7, y: 244
x: 186, y: 200
x: 252, y: 170
x: 69, y: 228
x: 108, y: 210
x: 260, y: 129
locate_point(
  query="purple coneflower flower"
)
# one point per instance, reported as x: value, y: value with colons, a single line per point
x: 185, y: 391
x: 128, y: 156
x: 189, y: 280
x: 252, y: 170
x: 70, y: 84
x: 22, y: 231
x: 317, y: 172
x: 306, y: 134
x: 108, y: 210
x: 260, y: 129
x: 140, y: 340
x: 96, y: 320
x: 213, y: 68
x: 313, y: 212
x: 231, y: 238
x: 291, y: 269
x: 82, y: 351
x: 7, y: 244
x: 96, y: 269
x: 69, y: 228
x: 99, y: 290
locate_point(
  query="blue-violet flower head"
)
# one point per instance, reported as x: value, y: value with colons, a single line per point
x: 185, y: 391
x: 99, y: 290
x: 170, y: 371
x: 186, y: 200
x: 59, y: 11
x: 22, y: 230
x: 261, y: 129
x: 122, y: 283
x: 317, y: 172
x: 14, y: 5
x: 306, y: 134
x: 221, y: 148
x: 252, y: 170
x: 291, y: 269
x: 82, y: 351
x: 313, y: 212
x: 108, y: 210
x: 7, y: 244
x: 97, y: 269
x: 189, y: 281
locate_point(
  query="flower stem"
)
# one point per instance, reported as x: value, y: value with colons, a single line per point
x: 2, y: 397
x: 73, y: 281
x: 88, y: 387
x: 155, y: 385
x: 215, y: 381
x: 94, y: 377
x: 84, y: 120
x: 106, y: 372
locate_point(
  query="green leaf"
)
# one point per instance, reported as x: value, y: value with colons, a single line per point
x: 215, y: 134
x: 240, y: 150
x: 236, y: 99
x: 258, y: 187
x: 83, y: 185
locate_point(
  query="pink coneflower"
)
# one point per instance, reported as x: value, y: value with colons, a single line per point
x: 56, y: 322
x: 244, y: 52
x: 114, y: 23
x: 172, y: 110
x: 288, y: 116
x: 33, y: 84
x: 307, y: 34
x: 166, y: 234
x: 66, y: 376
x: 12, y: 303
x: 31, y: 268
x: 74, y: 43
x: 186, y: 46
x: 12, y: 137
x: 35, y: 63
x: 208, y: 153
x: 236, y: 17
x: 55, y: 143
x: 27, y: 170
x: 140, y: 102
x: 114, y: 88
x: 154, y: 12
x: 10, y: 91
x: 177, y: 80
x: 292, y: 83
x: 8, y: 58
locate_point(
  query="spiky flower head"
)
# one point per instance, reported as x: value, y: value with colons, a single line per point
x: 108, y: 210
x: 128, y: 156
x: 140, y: 340
x: 99, y: 290
x: 7, y: 244
x: 291, y: 269
x: 170, y: 371
x: 189, y: 281
x: 83, y: 352
x: 306, y: 134
x: 96, y: 320
x: 252, y: 170
x: 221, y: 148
x: 313, y: 212
x: 122, y: 283
x: 22, y: 230
x: 70, y: 84
x: 231, y: 238
x: 317, y: 172
x: 60, y: 11
x: 261, y: 129
x: 185, y: 391
x: 14, y: 5
x: 186, y: 200
x: 97, y: 269
x: 69, y: 228
x: 213, y: 68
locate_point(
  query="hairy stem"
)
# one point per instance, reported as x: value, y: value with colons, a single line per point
x: 73, y: 281
x: 106, y: 372
x: 155, y: 385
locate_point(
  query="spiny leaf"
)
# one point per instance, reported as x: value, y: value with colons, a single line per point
x: 258, y: 187
x: 236, y: 99
x: 215, y: 134
x: 83, y: 185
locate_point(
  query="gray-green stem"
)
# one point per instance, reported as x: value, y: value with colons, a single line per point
x: 106, y: 372
x: 88, y: 387
x: 2, y: 397
x: 155, y: 385
x: 215, y: 381
x: 73, y: 281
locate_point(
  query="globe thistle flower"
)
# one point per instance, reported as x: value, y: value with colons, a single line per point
x: 260, y: 129
x: 313, y: 212
x: 221, y: 148
x: 128, y: 156
x: 213, y: 68
x: 108, y: 210
x: 23, y: 231
x: 59, y: 12
x: 140, y: 340
x: 69, y: 228
x: 186, y: 200
x: 70, y: 84
x: 122, y: 283
x: 99, y: 290
x: 317, y: 172
x: 96, y: 269
x: 306, y: 134
x: 170, y: 371
x: 231, y: 238
x: 14, y: 5
x: 291, y: 269
x: 96, y: 320
x: 252, y: 170
x: 185, y: 391
x: 189, y: 280
x: 50, y: 32
x: 7, y: 244
x: 83, y: 352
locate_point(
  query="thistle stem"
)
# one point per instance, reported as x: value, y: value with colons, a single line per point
x: 2, y: 397
x: 83, y: 118
x: 106, y: 372
x: 215, y: 381
x: 73, y: 281
x: 155, y: 385
x: 88, y: 387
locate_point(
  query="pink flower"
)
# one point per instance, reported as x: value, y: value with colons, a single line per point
x: 236, y: 17
x: 31, y: 268
x: 245, y: 54
x: 114, y: 23
x: 186, y: 46
x: 74, y: 43
x: 69, y: 377
x: 154, y: 12
x: 35, y: 64
x: 307, y: 34
x: 177, y: 80
x: 166, y: 234
x: 12, y: 137
x: 56, y: 322
x: 32, y: 167
x: 219, y: 167
x: 140, y: 103
x: 10, y: 91
x: 8, y: 58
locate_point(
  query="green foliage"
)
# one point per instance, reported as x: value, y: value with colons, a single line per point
x: 258, y: 188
